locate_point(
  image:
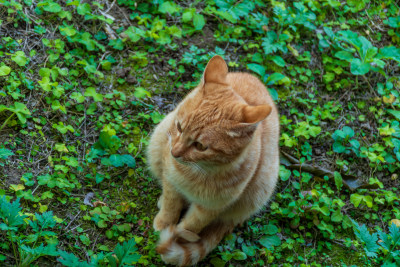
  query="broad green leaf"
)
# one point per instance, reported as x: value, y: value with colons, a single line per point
x: 239, y: 255
x: 187, y: 15
x: 52, y: 7
x: 134, y: 33
x: 337, y: 216
x: 19, y: 58
x: 275, y: 77
x: 270, y: 229
x: 356, y: 199
x: 5, y: 153
x: 269, y: 241
x: 198, y: 21
x: 91, y: 91
x: 257, y: 68
x: 338, y: 180
x: 140, y: 92
x: 359, y: 68
x: 4, y: 70
x: 169, y: 7
x: 78, y: 97
x: 395, y: 113
x: 348, y: 131
x: 344, y: 55
x: 278, y: 61
x: 338, y: 147
x: 284, y: 173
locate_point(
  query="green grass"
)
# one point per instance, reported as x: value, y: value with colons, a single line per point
x: 82, y: 84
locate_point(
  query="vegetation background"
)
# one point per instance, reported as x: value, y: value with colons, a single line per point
x: 82, y: 83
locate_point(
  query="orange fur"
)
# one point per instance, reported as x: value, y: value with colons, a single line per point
x: 217, y: 153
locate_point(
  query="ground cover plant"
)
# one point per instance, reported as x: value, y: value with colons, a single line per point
x: 82, y: 83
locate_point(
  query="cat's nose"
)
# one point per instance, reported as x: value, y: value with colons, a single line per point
x: 177, y: 151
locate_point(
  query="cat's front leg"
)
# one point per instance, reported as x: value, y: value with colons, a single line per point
x: 195, y: 220
x: 171, y: 204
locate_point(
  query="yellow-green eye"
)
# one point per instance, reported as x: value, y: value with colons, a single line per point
x: 178, y: 126
x: 199, y: 146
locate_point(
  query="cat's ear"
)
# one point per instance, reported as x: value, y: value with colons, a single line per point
x: 215, y: 71
x: 250, y: 117
x: 254, y: 114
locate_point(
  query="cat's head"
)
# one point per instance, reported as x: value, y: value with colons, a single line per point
x: 215, y: 125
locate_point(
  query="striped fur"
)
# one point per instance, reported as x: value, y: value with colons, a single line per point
x: 179, y: 252
x: 217, y: 158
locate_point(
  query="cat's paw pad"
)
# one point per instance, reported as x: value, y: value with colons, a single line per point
x: 186, y: 234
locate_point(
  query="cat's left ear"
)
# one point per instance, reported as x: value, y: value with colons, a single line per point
x: 215, y: 71
x: 255, y: 114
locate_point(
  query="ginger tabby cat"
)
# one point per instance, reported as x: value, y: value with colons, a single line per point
x: 217, y: 155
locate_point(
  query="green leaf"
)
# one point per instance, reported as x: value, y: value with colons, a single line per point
x: 362, y: 233
x: 124, y: 254
x: 69, y: 259
x: 91, y: 91
x: 356, y: 199
x: 257, y: 68
x: 5, y: 153
x: 52, y: 7
x: 19, y: 58
x: 359, y: 68
x: 249, y: 250
x: 275, y: 77
x: 217, y: 262
x: 284, y: 173
x: 389, y: 52
x: 338, y: 180
x: 78, y: 97
x: 239, y: 255
x: 337, y: 216
x: 85, y: 240
x: 102, y: 224
x: 4, y: 70
x: 187, y: 16
x: 84, y: 9
x: 67, y: 30
x: 128, y: 160
x: 270, y: 229
x: 344, y: 55
x: 395, y: 113
x: 269, y: 241
x: 348, y: 131
x: 140, y: 92
x: 278, y: 61
x: 198, y: 21
x: 169, y: 7
x: 10, y: 214
x: 134, y: 33
x: 338, y: 147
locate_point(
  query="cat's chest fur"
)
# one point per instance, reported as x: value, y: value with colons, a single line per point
x: 211, y: 190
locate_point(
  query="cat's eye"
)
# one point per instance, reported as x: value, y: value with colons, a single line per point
x: 200, y: 146
x: 178, y: 126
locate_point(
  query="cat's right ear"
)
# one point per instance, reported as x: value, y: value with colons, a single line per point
x: 255, y: 114
x: 250, y: 117
x: 215, y: 71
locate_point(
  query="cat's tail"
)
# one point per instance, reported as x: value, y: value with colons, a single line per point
x: 179, y: 252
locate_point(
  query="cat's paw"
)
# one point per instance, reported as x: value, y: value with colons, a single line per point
x: 186, y: 234
x: 160, y: 223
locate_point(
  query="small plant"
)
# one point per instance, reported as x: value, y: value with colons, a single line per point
x: 344, y: 142
x: 388, y: 244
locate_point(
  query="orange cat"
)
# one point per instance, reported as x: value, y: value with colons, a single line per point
x: 216, y: 154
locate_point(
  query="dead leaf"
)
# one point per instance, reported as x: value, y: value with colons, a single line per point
x: 396, y: 222
x: 99, y: 203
